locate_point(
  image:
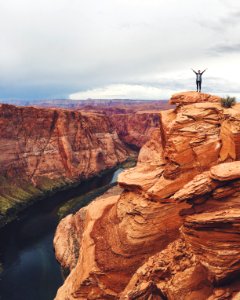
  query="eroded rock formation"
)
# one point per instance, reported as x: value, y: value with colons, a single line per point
x: 171, y: 228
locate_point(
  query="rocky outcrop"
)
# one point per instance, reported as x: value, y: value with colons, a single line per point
x: 172, y: 232
x: 131, y: 228
x: 226, y: 172
x: 177, y: 273
x: 204, y: 262
x: 192, y: 97
x: 173, y: 273
x: 46, y: 148
x: 230, y: 136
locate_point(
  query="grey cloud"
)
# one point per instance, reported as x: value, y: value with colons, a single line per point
x: 222, y: 23
x: 210, y: 84
x: 221, y: 85
x: 224, y: 48
x: 58, y: 47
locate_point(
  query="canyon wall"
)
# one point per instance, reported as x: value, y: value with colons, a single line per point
x: 50, y: 143
x: 42, y: 149
x: 135, y: 128
x: 170, y: 230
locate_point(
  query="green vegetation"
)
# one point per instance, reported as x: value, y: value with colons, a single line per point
x: 129, y: 163
x: 76, y: 203
x: 49, y: 185
x: 228, y: 101
x: 15, y: 194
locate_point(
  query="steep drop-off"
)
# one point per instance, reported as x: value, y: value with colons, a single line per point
x: 171, y: 228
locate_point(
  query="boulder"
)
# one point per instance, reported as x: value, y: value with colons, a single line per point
x: 226, y: 171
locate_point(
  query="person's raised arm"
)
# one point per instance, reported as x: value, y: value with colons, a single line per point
x: 203, y: 71
x: 194, y: 71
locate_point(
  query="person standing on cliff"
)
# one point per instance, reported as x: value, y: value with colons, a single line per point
x: 199, y: 79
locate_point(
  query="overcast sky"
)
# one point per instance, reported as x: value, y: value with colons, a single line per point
x: 140, y: 49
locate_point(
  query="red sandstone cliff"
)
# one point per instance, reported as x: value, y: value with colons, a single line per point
x: 134, y: 121
x: 135, y: 128
x: 56, y: 143
x: 171, y: 228
x: 52, y: 147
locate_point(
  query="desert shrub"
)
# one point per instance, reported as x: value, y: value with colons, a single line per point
x: 228, y: 101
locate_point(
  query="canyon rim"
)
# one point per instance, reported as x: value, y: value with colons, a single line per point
x: 170, y: 230
x: 119, y: 150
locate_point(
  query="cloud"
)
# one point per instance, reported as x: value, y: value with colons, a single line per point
x: 124, y: 91
x: 158, y: 91
x: 225, y: 19
x: 222, y: 24
x: 225, y: 48
x: 58, y: 48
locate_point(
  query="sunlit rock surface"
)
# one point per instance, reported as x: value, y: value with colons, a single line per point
x: 192, y: 97
x: 56, y: 143
x: 171, y: 228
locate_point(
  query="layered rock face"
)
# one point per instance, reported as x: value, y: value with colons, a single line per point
x: 171, y: 228
x: 49, y: 147
x: 56, y: 143
x: 135, y: 128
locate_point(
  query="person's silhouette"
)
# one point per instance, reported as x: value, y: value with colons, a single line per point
x: 199, y: 79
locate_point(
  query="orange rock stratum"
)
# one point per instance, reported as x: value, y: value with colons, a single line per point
x: 38, y: 143
x: 171, y: 228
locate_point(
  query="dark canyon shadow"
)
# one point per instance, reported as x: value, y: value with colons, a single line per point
x: 28, y: 268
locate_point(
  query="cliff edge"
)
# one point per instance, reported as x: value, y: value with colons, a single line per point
x: 170, y: 230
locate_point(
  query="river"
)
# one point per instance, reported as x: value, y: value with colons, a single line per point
x: 29, y: 270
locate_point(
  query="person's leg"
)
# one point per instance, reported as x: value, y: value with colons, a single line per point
x: 200, y: 86
x: 197, y: 85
